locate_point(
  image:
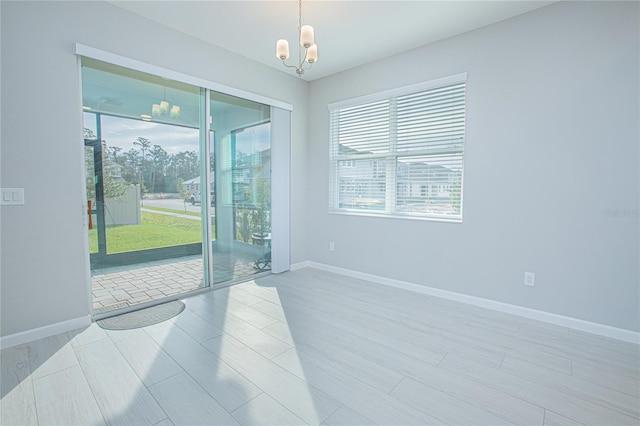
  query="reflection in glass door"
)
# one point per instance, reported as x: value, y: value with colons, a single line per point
x: 241, y: 141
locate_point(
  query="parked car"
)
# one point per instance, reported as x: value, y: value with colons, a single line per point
x: 196, y: 198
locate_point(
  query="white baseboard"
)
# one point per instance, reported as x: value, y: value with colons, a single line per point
x: 569, y: 322
x: 44, y: 331
x: 303, y: 264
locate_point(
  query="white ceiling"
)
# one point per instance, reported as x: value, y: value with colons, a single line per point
x: 348, y: 33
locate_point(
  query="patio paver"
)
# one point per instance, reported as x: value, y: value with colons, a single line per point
x: 122, y: 286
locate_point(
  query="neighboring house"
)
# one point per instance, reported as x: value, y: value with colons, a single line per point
x: 192, y: 186
x: 247, y: 172
x: 362, y: 182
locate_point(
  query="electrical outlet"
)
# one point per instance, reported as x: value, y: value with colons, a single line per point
x: 332, y: 246
x: 529, y: 279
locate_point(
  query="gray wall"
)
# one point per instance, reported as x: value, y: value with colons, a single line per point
x: 44, y: 276
x: 552, y: 145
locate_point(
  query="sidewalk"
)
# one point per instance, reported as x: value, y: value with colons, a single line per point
x: 185, y: 216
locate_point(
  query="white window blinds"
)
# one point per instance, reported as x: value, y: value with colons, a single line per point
x: 400, y: 153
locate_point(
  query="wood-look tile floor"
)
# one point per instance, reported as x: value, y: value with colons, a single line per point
x: 311, y: 347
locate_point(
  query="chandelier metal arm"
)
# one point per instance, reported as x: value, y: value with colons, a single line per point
x: 288, y: 66
x: 300, y: 68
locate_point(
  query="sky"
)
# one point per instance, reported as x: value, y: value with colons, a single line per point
x: 122, y: 132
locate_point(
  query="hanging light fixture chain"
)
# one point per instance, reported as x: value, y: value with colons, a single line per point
x: 300, y: 58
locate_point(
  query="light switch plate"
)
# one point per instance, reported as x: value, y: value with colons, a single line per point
x: 530, y: 279
x: 12, y: 197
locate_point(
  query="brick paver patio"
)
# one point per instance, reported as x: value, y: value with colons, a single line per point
x: 122, y: 286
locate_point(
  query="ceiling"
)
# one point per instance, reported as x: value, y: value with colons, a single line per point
x: 348, y: 33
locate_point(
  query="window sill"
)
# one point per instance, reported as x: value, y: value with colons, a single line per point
x: 383, y: 215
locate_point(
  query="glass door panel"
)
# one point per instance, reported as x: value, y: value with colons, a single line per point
x: 241, y: 165
x: 143, y: 160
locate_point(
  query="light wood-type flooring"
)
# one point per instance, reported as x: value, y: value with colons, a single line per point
x: 312, y: 347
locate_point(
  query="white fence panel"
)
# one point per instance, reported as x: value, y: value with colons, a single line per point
x: 124, y: 210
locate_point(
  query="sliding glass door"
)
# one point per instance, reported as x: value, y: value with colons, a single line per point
x: 178, y: 186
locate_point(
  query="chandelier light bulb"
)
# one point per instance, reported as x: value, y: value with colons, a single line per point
x: 312, y: 54
x: 282, y: 49
x: 306, y: 36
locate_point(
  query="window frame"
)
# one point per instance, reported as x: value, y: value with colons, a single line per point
x: 392, y: 157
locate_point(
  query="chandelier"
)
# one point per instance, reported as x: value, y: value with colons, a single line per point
x: 305, y: 36
x: 162, y: 109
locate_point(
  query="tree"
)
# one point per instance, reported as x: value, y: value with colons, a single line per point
x: 184, y: 194
x: 184, y: 165
x: 261, y: 220
x: 112, y: 182
x: 158, y: 157
x: 130, y: 160
x: 144, y: 145
x: 113, y: 151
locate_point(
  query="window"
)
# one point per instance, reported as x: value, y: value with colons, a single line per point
x: 400, y: 153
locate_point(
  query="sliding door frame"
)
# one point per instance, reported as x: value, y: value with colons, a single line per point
x: 280, y: 119
x: 205, y: 187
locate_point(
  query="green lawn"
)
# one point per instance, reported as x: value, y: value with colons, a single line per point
x: 154, y: 230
